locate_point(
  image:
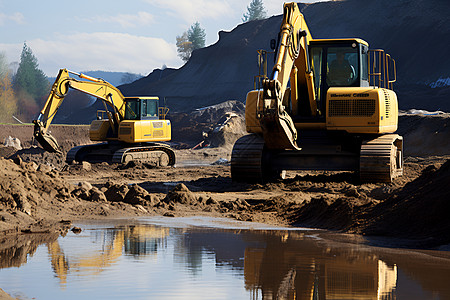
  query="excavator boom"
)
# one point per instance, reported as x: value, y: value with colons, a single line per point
x: 292, y: 49
x: 94, y: 86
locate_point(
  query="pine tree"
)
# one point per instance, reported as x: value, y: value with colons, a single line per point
x: 197, y: 36
x: 190, y: 40
x: 255, y: 11
x: 29, y: 79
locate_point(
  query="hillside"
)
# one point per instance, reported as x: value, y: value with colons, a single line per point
x: 415, y: 32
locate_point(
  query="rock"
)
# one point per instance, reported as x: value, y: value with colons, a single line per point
x: 22, y: 203
x: 85, y: 185
x: 76, y: 230
x: 12, y: 142
x: 181, y: 194
x: 97, y: 195
x: 221, y: 161
x: 352, y: 192
x: 86, y: 166
x: 18, y: 160
x: 136, y: 195
x: 44, y: 168
x: 141, y: 208
x: 211, y: 201
x: 31, y: 166
x: 117, y: 193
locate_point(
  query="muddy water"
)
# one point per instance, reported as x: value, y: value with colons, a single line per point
x: 201, y: 258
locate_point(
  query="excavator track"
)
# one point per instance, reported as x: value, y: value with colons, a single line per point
x: 247, y: 159
x: 381, y: 159
x: 160, y: 153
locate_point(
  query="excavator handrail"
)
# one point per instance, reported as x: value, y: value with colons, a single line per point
x: 379, y: 69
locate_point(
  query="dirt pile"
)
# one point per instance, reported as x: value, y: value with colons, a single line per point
x: 420, y: 210
x: 216, y: 125
x: 26, y: 188
x: 36, y: 197
x: 425, y: 133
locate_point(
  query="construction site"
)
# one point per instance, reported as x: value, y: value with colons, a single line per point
x: 205, y: 167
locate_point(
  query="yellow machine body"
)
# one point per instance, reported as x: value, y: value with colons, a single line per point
x: 328, y: 104
x: 128, y: 124
x: 362, y: 110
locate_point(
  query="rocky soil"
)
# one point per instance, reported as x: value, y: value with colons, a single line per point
x: 39, y: 193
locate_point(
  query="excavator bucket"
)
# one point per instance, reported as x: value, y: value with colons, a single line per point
x: 46, y: 140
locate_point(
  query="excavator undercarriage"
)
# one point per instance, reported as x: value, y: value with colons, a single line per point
x: 376, y: 159
x: 158, y: 154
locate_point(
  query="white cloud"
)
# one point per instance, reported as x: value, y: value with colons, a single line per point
x: 195, y: 10
x: 99, y: 51
x: 142, y: 18
x: 15, y: 17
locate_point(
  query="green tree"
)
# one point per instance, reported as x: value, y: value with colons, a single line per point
x: 255, y: 11
x: 184, y: 46
x: 30, y: 83
x: 197, y: 36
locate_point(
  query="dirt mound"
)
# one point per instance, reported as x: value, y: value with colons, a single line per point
x: 40, y: 156
x: 180, y: 194
x: 193, y: 128
x: 26, y: 188
x: 419, y: 211
x: 425, y: 133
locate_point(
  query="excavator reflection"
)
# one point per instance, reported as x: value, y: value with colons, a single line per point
x: 276, y: 264
x: 132, y: 240
x: 306, y: 271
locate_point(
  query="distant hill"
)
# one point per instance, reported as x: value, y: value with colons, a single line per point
x: 115, y: 78
x: 415, y: 32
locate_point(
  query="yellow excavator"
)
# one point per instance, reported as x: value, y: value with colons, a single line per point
x: 130, y: 128
x: 329, y: 104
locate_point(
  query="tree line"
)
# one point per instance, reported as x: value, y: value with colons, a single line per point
x: 23, y: 91
x: 194, y: 38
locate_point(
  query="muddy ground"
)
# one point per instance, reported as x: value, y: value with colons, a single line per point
x: 41, y: 194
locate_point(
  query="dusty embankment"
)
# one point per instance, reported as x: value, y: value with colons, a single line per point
x: 38, y: 191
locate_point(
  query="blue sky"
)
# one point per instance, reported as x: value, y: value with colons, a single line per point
x: 127, y: 36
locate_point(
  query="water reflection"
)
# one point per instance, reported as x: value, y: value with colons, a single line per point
x: 297, y: 268
x: 184, y: 261
x: 112, y: 243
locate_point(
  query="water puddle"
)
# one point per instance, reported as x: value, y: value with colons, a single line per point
x: 206, y: 258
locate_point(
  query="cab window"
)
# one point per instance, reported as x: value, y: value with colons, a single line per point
x: 132, y: 110
x: 342, y: 66
x: 149, y: 109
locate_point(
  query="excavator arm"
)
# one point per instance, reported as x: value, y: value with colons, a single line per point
x: 292, y: 62
x: 99, y: 88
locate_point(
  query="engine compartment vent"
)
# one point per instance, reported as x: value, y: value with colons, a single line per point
x: 351, y: 108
